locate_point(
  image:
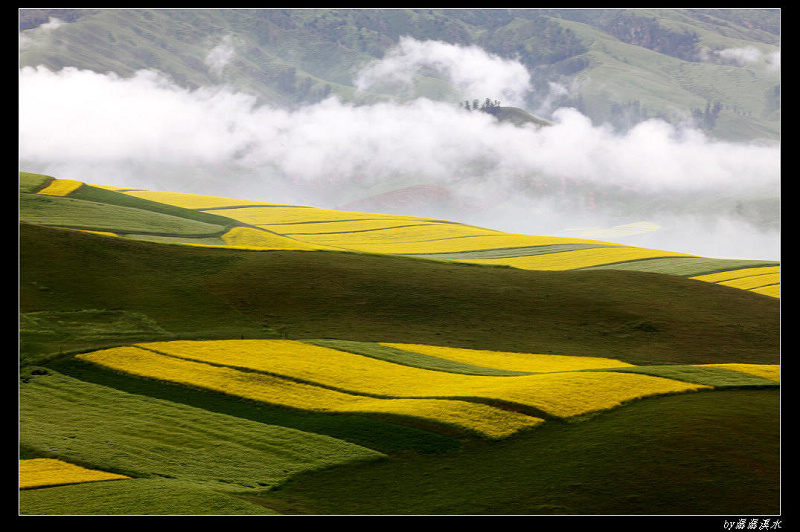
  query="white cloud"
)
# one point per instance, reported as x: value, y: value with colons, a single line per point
x: 746, y: 56
x: 79, y: 115
x: 474, y: 72
x: 39, y: 35
x: 149, y: 132
x: 221, y: 55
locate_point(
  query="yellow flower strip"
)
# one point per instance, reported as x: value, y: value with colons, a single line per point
x: 468, y: 242
x: 252, y: 238
x: 772, y: 290
x: 766, y: 371
x: 115, y: 188
x: 753, y: 281
x: 41, y: 472
x: 413, y: 232
x: 290, y: 214
x: 482, y: 418
x: 61, y: 187
x: 512, y: 361
x: 581, y: 258
x: 736, y: 274
x: 560, y: 394
x: 189, y: 201
x: 342, y: 226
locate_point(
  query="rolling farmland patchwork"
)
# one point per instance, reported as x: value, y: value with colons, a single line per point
x: 255, y: 225
x: 190, y: 354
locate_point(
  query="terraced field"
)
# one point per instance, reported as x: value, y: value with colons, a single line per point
x: 311, y: 377
x: 186, y: 354
x: 243, y: 224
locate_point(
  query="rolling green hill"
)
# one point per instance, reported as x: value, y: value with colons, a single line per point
x: 189, y: 354
x: 508, y: 405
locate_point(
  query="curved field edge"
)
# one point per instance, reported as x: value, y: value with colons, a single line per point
x: 289, y: 391
x: 319, y: 380
x: 245, y: 232
x: 145, y: 496
x: 723, y: 438
x: 709, y: 453
x: 383, y: 435
x: 142, y: 437
x: 49, y: 472
x: 192, y: 292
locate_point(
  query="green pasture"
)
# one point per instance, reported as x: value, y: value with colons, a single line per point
x: 707, y: 453
x: 193, y: 452
x: 221, y: 293
x: 145, y: 496
x: 142, y: 437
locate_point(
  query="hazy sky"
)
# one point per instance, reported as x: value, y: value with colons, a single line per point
x: 146, y: 131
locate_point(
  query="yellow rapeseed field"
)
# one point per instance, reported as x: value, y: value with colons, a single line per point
x: 467, y: 242
x: 185, y: 200
x: 766, y: 371
x: 41, y: 472
x: 268, y: 214
x: 735, y: 274
x: 762, y: 280
x: 562, y: 394
x: 252, y: 238
x: 355, y: 226
x: 579, y: 258
x: 320, y: 229
x: 753, y: 281
x: 492, y: 422
x: 512, y: 361
x: 61, y: 187
x: 771, y: 290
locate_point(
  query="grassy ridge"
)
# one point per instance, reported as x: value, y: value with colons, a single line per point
x: 182, y: 218
x: 151, y: 496
x: 367, y: 431
x: 81, y: 291
x: 195, y: 292
x: 153, y: 438
x: 705, y: 453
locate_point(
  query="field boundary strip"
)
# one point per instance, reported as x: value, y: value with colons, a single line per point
x: 560, y: 394
x: 473, y: 416
x: 50, y: 472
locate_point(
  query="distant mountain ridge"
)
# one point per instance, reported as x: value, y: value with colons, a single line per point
x: 624, y: 65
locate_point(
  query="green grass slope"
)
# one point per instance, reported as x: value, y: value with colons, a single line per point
x: 196, y: 452
x: 198, y: 292
x: 707, y: 453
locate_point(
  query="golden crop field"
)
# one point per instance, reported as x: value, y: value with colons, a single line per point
x: 42, y: 472
x: 61, y: 187
x: 252, y: 238
x: 754, y: 281
x: 269, y: 213
x: 300, y: 375
x: 579, y: 258
x: 763, y: 280
x: 269, y: 388
x: 736, y: 274
x: 529, y: 362
x: 181, y: 199
x: 771, y: 290
x: 315, y: 228
x: 767, y: 371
